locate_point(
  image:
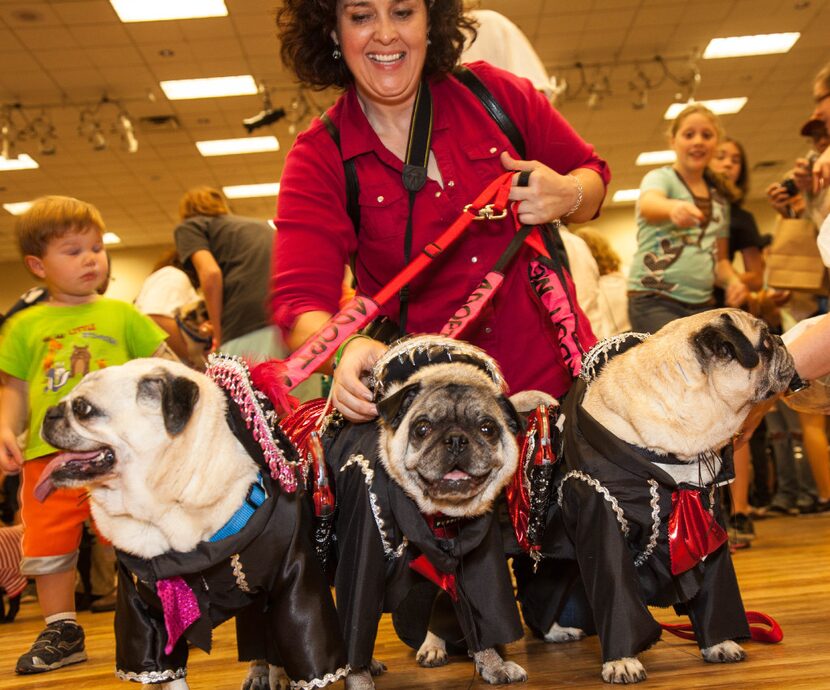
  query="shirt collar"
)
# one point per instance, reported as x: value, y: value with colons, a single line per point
x: 356, y: 134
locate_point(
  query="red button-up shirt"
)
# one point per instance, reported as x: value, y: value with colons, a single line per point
x: 315, y: 236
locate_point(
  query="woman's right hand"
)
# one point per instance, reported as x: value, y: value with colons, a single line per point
x: 350, y: 394
x: 684, y: 214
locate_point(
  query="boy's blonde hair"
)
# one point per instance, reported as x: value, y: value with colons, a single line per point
x: 202, y: 201
x: 51, y: 217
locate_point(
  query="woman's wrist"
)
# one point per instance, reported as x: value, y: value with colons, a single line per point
x: 340, y: 350
x: 580, y: 193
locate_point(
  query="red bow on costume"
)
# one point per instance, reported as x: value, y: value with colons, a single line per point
x: 445, y: 581
x: 693, y: 532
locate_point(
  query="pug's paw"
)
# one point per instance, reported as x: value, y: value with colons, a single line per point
x: 725, y: 652
x: 360, y: 680
x: 257, y: 678
x: 626, y: 670
x: 376, y: 667
x: 277, y: 678
x: 497, y: 671
x: 559, y: 634
x: 433, y: 652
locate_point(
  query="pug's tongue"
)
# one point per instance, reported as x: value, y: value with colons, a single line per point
x: 45, y: 486
x: 456, y: 475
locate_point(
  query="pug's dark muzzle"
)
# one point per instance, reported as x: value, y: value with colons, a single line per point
x: 81, y: 462
x: 456, y: 472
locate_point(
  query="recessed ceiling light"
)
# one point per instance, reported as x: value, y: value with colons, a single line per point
x: 23, y: 162
x: 215, y: 87
x: 228, y: 147
x: 740, y: 46
x: 656, y: 157
x: 244, y: 191
x: 626, y: 195
x: 719, y: 106
x: 111, y: 238
x: 18, y: 208
x: 160, y: 10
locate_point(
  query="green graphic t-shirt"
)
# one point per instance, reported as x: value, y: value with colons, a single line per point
x: 53, y: 347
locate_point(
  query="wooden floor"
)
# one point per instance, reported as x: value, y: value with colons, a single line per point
x: 785, y: 574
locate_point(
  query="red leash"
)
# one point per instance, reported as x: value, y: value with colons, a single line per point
x: 277, y: 377
x: 762, y: 628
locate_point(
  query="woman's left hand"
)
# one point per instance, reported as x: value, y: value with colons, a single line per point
x: 547, y: 196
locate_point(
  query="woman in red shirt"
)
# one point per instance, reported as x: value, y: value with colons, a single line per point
x: 379, y: 52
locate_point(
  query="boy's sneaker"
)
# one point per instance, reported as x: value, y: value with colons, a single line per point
x: 60, y: 644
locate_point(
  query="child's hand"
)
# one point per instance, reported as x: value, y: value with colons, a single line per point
x: 11, y: 457
x: 684, y: 214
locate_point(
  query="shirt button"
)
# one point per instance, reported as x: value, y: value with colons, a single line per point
x: 450, y: 184
x: 493, y: 149
x: 488, y: 330
x: 437, y: 194
x: 380, y: 199
x: 474, y: 259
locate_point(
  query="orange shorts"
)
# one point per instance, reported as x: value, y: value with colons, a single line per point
x: 54, y: 527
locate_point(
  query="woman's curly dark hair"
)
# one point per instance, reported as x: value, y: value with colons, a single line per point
x: 304, y: 28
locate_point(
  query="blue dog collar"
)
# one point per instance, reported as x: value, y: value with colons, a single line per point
x: 255, y: 498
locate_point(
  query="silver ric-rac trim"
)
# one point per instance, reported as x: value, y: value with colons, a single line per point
x: 368, y: 476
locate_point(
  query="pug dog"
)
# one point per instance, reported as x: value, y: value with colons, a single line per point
x: 180, y: 486
x: 415, y: 517
x: 647, y: 439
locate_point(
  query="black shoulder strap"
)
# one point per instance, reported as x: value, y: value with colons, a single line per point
x: 352, y: 183
x: 472, y: 82
x: 470, y: 79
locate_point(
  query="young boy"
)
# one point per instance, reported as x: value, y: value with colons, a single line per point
x: 45, y: 350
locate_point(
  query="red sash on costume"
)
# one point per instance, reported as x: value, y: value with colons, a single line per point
x: 693, y: 532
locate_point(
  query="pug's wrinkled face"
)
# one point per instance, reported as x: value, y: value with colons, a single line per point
x: 739, y: 352
x: 689, y: 387
x: 448, y: 439
x: 113, y: 416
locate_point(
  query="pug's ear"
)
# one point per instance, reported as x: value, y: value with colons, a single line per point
x: 177, y: 396
x: 393, y: 409
x: 723, y: 340
x: 514, y: 420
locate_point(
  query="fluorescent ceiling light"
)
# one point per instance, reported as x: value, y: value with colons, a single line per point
x: 244, y: 191
x: 216, y: 87
x: 227, y: 147
x: 18, y: 208
x: 158, y: 10
x: 23, y: 162
x: 739, y: 46
x: 111, y: 238
x: 656, y: 157
x: 719, y: 106
x: 624, y: 195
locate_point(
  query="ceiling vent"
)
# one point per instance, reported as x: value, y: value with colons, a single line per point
x: 159, y: 123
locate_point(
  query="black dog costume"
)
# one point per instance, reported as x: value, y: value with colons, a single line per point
x: 611, y: 514
x: 266, y: 574
x: 393, y: 558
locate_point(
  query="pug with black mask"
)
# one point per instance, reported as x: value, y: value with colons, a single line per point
x: 415, y: 493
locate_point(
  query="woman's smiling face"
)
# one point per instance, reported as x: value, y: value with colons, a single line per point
x: 384, y: 44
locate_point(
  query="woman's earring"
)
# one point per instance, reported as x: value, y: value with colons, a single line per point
x: 336, y: 54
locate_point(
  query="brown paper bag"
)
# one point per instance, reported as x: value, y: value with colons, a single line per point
x: 794, y: 262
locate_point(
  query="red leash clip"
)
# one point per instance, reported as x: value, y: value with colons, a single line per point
x: 323, y: 495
